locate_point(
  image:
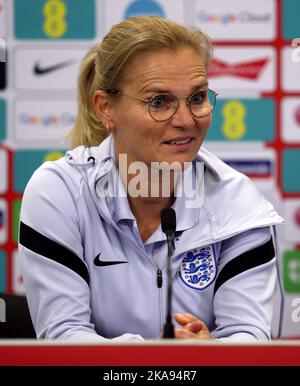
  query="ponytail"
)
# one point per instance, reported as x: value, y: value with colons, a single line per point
x: 88, y: 129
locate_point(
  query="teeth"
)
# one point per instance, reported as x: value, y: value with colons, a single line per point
x: 183, y: 141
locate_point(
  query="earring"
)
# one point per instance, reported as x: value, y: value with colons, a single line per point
x: 107, y: 128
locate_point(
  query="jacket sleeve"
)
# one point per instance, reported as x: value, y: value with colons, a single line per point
x: 245, y: 287
x: 56, y: 276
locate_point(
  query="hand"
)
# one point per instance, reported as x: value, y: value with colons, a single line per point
x: 193, y: 328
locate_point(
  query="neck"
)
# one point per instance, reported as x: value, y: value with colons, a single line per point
x: 149, y: 208
x: 141, y: 179
x: 148, y: 196
x: 147, y: 212
x: 148, y: 189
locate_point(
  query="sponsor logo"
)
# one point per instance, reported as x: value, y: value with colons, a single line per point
x: 290, y: 119
x: 43, y: 121
x: 252, y: 168
x: 250, y: 70
x: 47, y: 120
x: 229, y: 18
x: 290, y: 68
x: 291, y: 271
x: 55, y: 19
x: 295, y: 54
x: 297, y: 115
x: 173, y: 10
x: 102, y: 263
x: 244, y: 68
x: 198, y: 268
x: 297, y: 216
x: 2, y: 19
x: 237, y: 20
x: 40, y: 70
x: 290, y: 179
x: 47, y: 69
x: 144, y: 8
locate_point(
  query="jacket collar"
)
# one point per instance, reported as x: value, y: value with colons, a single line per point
x: 232, y: 203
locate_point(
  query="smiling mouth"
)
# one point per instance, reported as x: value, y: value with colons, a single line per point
x: 183, y: 141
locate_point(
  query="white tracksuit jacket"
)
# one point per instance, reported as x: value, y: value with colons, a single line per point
x: 89, y: 277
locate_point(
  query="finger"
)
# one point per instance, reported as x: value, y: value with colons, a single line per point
x: 198, y: 327
x: 181, y: 319
x: 194, y: 326
x: 181, y: 333
x: 185, y: 318
x: 190, y: 317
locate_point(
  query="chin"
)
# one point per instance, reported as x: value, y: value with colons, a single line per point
x: 185, y: 157
x: 180, y: 162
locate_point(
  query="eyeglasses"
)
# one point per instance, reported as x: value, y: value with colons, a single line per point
x: 163, y: 106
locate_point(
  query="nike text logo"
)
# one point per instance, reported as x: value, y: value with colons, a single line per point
x: 101, y: 263
x: 38, y: 70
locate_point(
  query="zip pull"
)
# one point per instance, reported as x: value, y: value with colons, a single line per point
x: 159, y: 278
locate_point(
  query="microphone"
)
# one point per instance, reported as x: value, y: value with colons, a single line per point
x: 168, y: 226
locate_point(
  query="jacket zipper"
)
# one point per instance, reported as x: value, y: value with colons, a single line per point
x: 159, y: 282
x: 159, y: 278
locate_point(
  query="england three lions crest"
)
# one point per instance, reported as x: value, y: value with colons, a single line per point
x: 199, y: 268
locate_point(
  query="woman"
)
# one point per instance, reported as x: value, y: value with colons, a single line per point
x: 93, y: 252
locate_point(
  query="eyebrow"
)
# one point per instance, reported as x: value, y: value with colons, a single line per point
x: 200, y: 86
x: 203, y: 85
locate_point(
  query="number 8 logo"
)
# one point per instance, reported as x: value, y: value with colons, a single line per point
x: 55, y: 24
x: 234, y: 125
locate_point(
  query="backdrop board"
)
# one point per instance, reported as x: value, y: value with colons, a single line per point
x: 255, y: 127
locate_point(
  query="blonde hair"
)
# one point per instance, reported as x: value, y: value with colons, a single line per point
x: 103, y: 66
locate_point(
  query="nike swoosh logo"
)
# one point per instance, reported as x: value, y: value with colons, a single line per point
x: 101, y: 263
x: 38, y: 70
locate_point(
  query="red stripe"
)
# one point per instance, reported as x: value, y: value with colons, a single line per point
x: 158, y: 355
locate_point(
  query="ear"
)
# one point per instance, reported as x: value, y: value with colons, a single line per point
x: 103, y: 107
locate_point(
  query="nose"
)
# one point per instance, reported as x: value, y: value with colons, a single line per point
x: 183, y: 117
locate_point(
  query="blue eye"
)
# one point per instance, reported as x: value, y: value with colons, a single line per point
x: 157, y: 102
x: 160, y: 101
x: 199, y: 97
